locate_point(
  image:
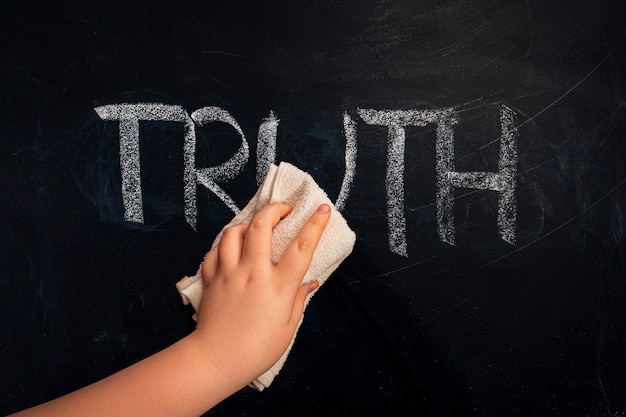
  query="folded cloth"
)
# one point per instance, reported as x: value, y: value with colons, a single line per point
x: 287, y: 184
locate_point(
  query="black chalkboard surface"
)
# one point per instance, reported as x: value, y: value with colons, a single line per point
x: 477, y: 149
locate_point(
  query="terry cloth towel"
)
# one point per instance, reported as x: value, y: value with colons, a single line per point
x: 287, y: 184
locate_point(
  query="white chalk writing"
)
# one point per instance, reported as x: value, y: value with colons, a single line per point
x: 209, y: 177
x: 266, y: 146
x: 396, y: 120
x: 129, y: 116
x: 503, y: 181
x: 349, y: 128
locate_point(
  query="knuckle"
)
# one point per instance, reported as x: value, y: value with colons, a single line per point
x: 229, y: 230
x: 316, y: 220
x: 209, y: 258
x: 303, y: 244
x: 209, y: 266
x: 257, y: 223
x: 233, y: 231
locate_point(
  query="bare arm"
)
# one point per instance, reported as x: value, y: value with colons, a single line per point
x: 248, y: 315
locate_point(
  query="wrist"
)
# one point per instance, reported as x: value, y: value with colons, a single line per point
x: 214, y: 363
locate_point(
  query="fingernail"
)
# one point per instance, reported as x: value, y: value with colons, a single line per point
x: 313, y: 285
x: 323, y: 209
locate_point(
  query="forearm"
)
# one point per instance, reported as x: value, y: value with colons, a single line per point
x: 232, y: 343
x: 176, y: 382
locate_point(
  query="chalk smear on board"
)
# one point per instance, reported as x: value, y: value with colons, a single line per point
x: 396, y: 121
x: 266, y: 146
x: 349, y: 127
x: 129, y: 115
x: 502, y: 181
x: 507, y: 204
x: 210, y: 176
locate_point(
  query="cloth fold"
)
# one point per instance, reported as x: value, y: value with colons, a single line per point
x: 287, y: 184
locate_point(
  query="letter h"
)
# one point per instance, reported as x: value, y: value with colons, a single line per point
x: 502, y: 181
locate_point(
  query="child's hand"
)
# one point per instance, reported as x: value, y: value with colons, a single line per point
x: 250, y: 308
x: 248, y: 314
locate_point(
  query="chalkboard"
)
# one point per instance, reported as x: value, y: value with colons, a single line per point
x: 477, y: 149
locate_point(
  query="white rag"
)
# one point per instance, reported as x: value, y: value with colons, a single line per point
x: 287, y: 184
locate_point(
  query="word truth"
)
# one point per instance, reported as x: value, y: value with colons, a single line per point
x: 503, y: 181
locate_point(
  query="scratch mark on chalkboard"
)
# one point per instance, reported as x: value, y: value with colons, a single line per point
x: 601, y: 383
x: 565, y: 223
x: 444, y: 52
x: 469, y: 193
x: 545, y: 108
x: 218, y: 81
x: 454, y: 307
x: 531, y: 31
x: 28, y: 75
x: 395, y: 271
x: 121, y: 320
x: 223, y: 53
x: 567, y: 92
x: 458, y: 107
x: 536, y: 166
x: 527, y: 95
x: 497, y: 57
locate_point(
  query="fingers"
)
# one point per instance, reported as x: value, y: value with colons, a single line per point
x: 299, y: 254
x: 231, y: 245
x: 258, y: 240
x: 253, y: 242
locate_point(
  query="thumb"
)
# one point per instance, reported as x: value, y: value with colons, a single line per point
x: 298, y: 304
